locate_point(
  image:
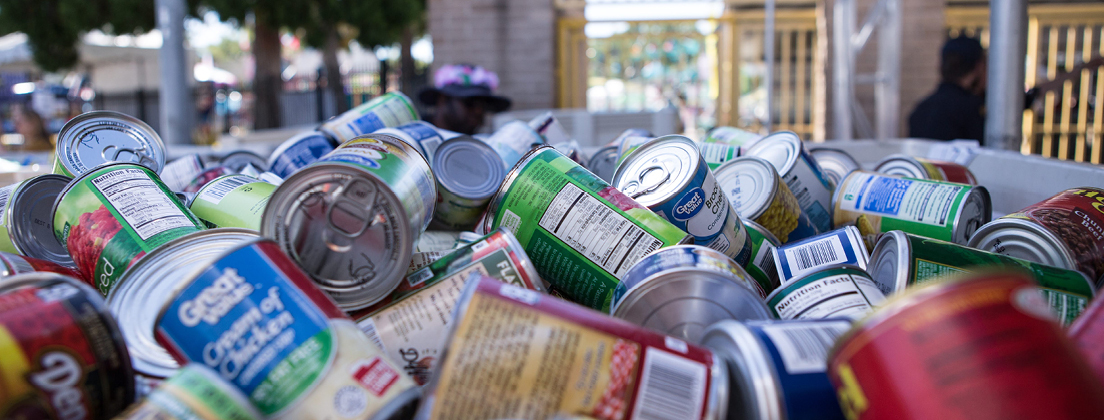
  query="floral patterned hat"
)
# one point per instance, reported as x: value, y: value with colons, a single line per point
x: 465, y: 81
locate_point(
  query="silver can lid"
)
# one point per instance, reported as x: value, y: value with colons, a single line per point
x: 755, y: 392
x: 659, y: 170
x: 835, y: 163
x: 903, y: 166
x: 604, y: 163
x: 94, y: 138
x: 781, y: 149
x: 468, y: 168
x: 976, y: 210
x: 890, y: 262
x: 30, y: 217
x: 1023, y: 239
x: 750, y: 184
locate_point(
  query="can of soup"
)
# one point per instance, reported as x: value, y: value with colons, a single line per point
x: 669, y: 176
x: 232, y: 201
x: 516, y: 353
x: 28, y: 218
x: 604, y: 163
x: 512, y: 141
x: 300, y: 150
x: 917, y: 167
x: 838, y: 290
x: 63, y: 355
x: 178, y: 173
x: 391, y: 109
x: 422, y: 135
x: 581, y: 233
x: 840, y: 246
x: 14, y: 264
x: 835, y: 163
x: 95, y: 138
x: 468, y: 174
x: 985, y: 347
x: 902, y: 260
x: 780, y: 367
x: 801, y: 173
x: 111, y: 216
x: 940, y: 210
x: 352, y: 219
x: 732, y: 136
x: 194, y: 393
x: 1087, y: 333
x: 1065, y: 231
x: 757, y: 193
x: 762, y: 266
x: 681, y: 290
x: 258, y: 320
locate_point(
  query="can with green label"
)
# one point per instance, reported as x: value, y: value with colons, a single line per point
x: 581, y: 234
x: 391, y: 109
x: 901, y: 260
x: 762, y: 267
x: 232, y: 201
x: 196, y: 392
x: 111, y: 216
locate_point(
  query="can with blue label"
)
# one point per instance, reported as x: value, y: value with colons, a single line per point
x: 802, y: 174
x: 841, y: 246
x: 669, y: 176
x: 299, y: 151
x: 257, y: 319
x: 391, y: 109
x: 422, y: 135
x: 778, y: 368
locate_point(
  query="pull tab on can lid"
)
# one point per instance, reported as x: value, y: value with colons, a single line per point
x: 98, y: 137
x: 658, y: 170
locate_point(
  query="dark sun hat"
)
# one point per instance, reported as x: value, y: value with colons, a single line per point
x: 465, y: 81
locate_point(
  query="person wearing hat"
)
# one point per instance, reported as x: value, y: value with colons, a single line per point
x: 461, y: 97
x: 956, y: 110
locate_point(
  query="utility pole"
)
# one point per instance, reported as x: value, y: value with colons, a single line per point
x: 175, y: 97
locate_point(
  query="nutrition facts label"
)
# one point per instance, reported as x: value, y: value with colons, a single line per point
x: 598, y: 232
x: 918, y: 201
x: 143, y: 205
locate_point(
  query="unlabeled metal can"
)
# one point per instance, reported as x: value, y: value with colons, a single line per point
x: 391, y: 109
x: 835, y: 163
x: 1087, y: 333
x: 468, y: 174
x: 835, y: 291
x: 516, y: 353
x: 840, y: 246
x: 232, y: 201
x: 258, y: 320
x: 581, y: 233
x: 206, y: 177
x: 14, y: 264
x: 512, y: 141
x: 940, y: 210
x: 762, y: 265
x: 604, y: 163
x: 411, y: 324
x: 422, y: 135
x: 681, y: 290
x: 194, y: 393
x: 352, y: 219
x: 63, y: 357
x: 95, y: 138
x: 28, y: 218
x: 985, y: 347
x: 178, y: 173
x: 669, y: 176
x: 917, y: 167
x: 241, y: 160
x: 901, y: 259
x: 1066, y: 230
x: 757, y: 193
x: 111, y: 216
x: 300, y: 150
x: 806, y: 180
x: 732, y: 136
x: 778, y: 368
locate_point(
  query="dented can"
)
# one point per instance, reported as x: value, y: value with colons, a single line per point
x: 802, y: 175
x: 468, y: 174
x: 838, y: 290
x: 917, y: 167
x: 232, y: 201
x: 422, y: 135
x: 96, y: 138
x: 14, y: 264
x: 835, y: 163
x: 759, y: 194
x: 194, y: 393
x: 300, y: 150
x: 28, y: 218
x: 391, y: 109
x: 840, y: 246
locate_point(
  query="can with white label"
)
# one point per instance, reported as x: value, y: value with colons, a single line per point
x: 422, y: 135
x: 759, y: 194
x: 835, y: 163
x: 803, y: 176
x: 835, y: 291
x: 468, y: 174
x: 96, y: 138
x: 391, y: 109
x: 232, y: 201
x: 841, y: 246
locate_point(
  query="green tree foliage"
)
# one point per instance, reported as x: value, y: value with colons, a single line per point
x: 54, y: 27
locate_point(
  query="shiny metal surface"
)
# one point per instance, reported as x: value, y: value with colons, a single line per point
x: 98, y: 137
x: 31, y: 219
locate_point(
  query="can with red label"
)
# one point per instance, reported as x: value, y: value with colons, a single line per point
x: 14, y: 264
x: 916, y: 167
x: 981, y: 347
x: 61, y: 352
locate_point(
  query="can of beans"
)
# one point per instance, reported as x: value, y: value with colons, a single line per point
x: 468, y: 173
x: 422, y: 135
x: 206, y: 177
x: 27, y: 218
x: 801, y: 173
x: 111, y: 216
x: 682, y: 289
x: 352, y: 219
x: 95, y: 138
x: 669, y: 176
x: 779, y: 367
x: 835, y: 163
x: 15, y: 264
x: 757, y: 193
x: 906, y: 166
x: 63, y: 355
x: 257, y: 319
x: 232, y: 201
x: 901, y: 259
x: 732, y: 136
x: 512, y: 141
x: 517, y: 353
x: 391, y: 109
x: 243, y: 161
x: 178, y: 173
x: 300, y: 150
x: 840, y: 246
x: 838, y: 290
x: 940, y: 210
x: 762, y: 266
x: 582, y: 234
x: 194, y: 393
x: 411, y: 324
x: 1087, y: 333
x: 1066, y: 230
x: 604, y: 163
x: 985, y: 347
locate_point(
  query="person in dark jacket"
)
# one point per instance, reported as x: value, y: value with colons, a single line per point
x: 461, y: 97
x: 956, y: 110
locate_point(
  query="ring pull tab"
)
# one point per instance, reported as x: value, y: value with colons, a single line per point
x: 649, y: 189
x: 357, y: 207
x: 138, y: 153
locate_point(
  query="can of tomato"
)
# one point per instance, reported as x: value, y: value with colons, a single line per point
x: 423, y: 136
x: 840, y: 246
x: 194, y: 393
x: 512, y: 141
x: 1066, y: 230
x: 906, y: 166
x: 801, y: 173
x: 232, y: 201
x: 96, y: 138
x: 838, y: 290
x: 582, y: 234
x: 940, y: 210
x: 300, y: 150
x: 27, y: 218
x: 63, y: 357
x: 1087, y: 333
x: 468, y: 173
x: 411, y: 324
x: 113, y: 215
x: 981, y: 347
x: 835, y: 163
x: 257, y: 319
x: 391, y: 109
x: 762, y: 266
x: 757, y: 193
x: 517, y: 353
x: 14, y: 264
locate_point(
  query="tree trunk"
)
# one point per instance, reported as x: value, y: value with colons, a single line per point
x: 267, y: 83
x: 406, y: 62
x: 333, y: 71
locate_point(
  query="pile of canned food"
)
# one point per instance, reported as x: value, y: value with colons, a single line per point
x: 738, y: 277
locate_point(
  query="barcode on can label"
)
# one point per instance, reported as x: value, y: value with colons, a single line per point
x: 804, y: 347
x: 141, y: 203
x: 793, y: 261
x: 765, y: 260
x: 217, y: 190
x: 369, y: 327
x: 671, y: 387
